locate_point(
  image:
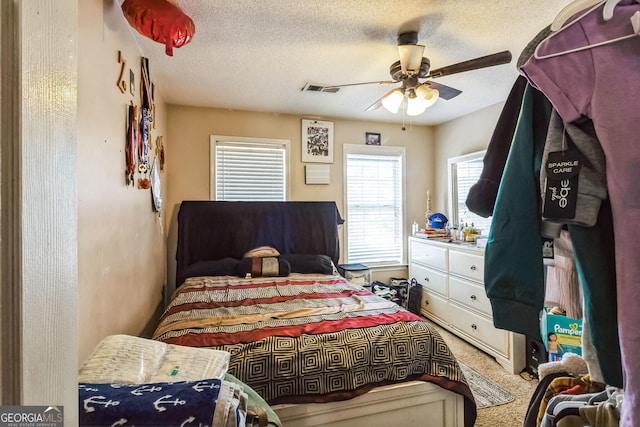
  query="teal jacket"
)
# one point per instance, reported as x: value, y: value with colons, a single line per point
x: 514, y: 270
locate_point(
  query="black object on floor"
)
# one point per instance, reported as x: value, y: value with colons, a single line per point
x: 415, y: 297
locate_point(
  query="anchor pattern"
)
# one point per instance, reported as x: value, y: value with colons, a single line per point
x: 185, y: 403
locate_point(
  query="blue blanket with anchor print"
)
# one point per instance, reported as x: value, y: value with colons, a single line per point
x: 189, y: 403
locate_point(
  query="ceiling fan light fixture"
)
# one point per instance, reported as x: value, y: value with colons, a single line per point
x: 415, y: 106
x: 427, y: 95
x: 392, y: 100
x: 410, y: 57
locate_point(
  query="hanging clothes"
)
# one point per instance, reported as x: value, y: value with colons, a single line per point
x: 514, y: 274
x: 591, y: 232
x: 602, y: 83
x: 575, y: 141
x: 481, y: 197
x: 594, y: 249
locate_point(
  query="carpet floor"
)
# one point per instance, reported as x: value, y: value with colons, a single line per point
x: 506, y: 415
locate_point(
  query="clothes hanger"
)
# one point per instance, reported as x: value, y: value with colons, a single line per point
x: 635, y: 22
x: 570, y: 10
x: 574, y: 7
x: 607, y: 11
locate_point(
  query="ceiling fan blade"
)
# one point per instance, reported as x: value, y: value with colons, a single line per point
x: 446, y: 92
x: 375, y: 105
x: 499, y: 58
x: 382, y: 82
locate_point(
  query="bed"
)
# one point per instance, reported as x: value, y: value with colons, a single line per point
x: 320, y: 350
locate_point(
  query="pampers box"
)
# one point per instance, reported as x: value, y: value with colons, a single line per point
x: 560, y: 334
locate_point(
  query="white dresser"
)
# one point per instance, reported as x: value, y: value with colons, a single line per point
x: 453, y: 296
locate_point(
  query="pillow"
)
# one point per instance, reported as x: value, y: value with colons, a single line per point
x: 219, y: 267
x: 309, y: 264
x: 263, y: 267
x: 262, y: 251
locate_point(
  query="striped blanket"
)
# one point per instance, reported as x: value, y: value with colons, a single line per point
x: 308, y: 338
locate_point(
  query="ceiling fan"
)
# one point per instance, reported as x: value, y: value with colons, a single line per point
x: 417, y: 95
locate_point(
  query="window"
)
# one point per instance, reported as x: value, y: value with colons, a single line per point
x: 374, y: 190
x: 464, y: 171
x: 248, y: 169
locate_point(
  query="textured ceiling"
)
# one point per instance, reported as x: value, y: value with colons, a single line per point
x: 258, y: 54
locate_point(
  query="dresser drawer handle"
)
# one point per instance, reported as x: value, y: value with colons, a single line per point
x: 426, y: 302
x: 473, y: 268
x: 474, y: 326
x: 426, y: 279
x: 473, y: 297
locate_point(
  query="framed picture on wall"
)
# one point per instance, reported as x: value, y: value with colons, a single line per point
x: 317, y: 141
x: 372, y: 138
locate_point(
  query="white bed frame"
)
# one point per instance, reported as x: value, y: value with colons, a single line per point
x: 407, y: 404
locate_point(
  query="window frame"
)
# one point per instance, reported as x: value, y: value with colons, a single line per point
x: 393, y: 151
x: 216, y: 139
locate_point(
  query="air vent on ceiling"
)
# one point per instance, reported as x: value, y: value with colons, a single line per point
x: 313, y: 87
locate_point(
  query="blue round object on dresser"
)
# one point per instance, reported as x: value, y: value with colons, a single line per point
x: 438, y: 220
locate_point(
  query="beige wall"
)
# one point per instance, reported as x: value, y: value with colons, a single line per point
x: 121, y: 241
x: 465, y: 135
x: 189, y: 129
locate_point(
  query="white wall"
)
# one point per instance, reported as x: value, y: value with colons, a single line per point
x: 121, y: 241
x: 464, y: 135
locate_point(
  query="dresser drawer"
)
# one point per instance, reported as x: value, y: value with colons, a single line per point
x: 480, y: 328
x: 428, y: 278
x: 434, y: 306
x: 470, y: 294
x: 467, y: 265
x: 432, y: 256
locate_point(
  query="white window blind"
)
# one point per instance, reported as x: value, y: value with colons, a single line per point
x: 247, y: 169
x: 374, y: 192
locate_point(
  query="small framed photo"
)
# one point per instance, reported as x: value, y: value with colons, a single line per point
x: 372, y: 138
x: 317, y: 141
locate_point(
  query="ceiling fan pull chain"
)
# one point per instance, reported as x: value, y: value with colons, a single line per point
x: 403, y: 127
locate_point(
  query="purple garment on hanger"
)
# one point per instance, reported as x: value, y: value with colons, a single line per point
x: 603, y: 83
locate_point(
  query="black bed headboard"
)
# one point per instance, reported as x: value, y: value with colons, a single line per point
x: 210, y: 230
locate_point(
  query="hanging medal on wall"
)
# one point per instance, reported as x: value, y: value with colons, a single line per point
x: 146, y: 92
x: 143, y: 152
x: 145, y: 126
x: 130, y: 146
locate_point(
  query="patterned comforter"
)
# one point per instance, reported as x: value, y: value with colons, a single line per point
x: 308, y: 338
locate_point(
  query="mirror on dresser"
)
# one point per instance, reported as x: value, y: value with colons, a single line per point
x: 464, y: 171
